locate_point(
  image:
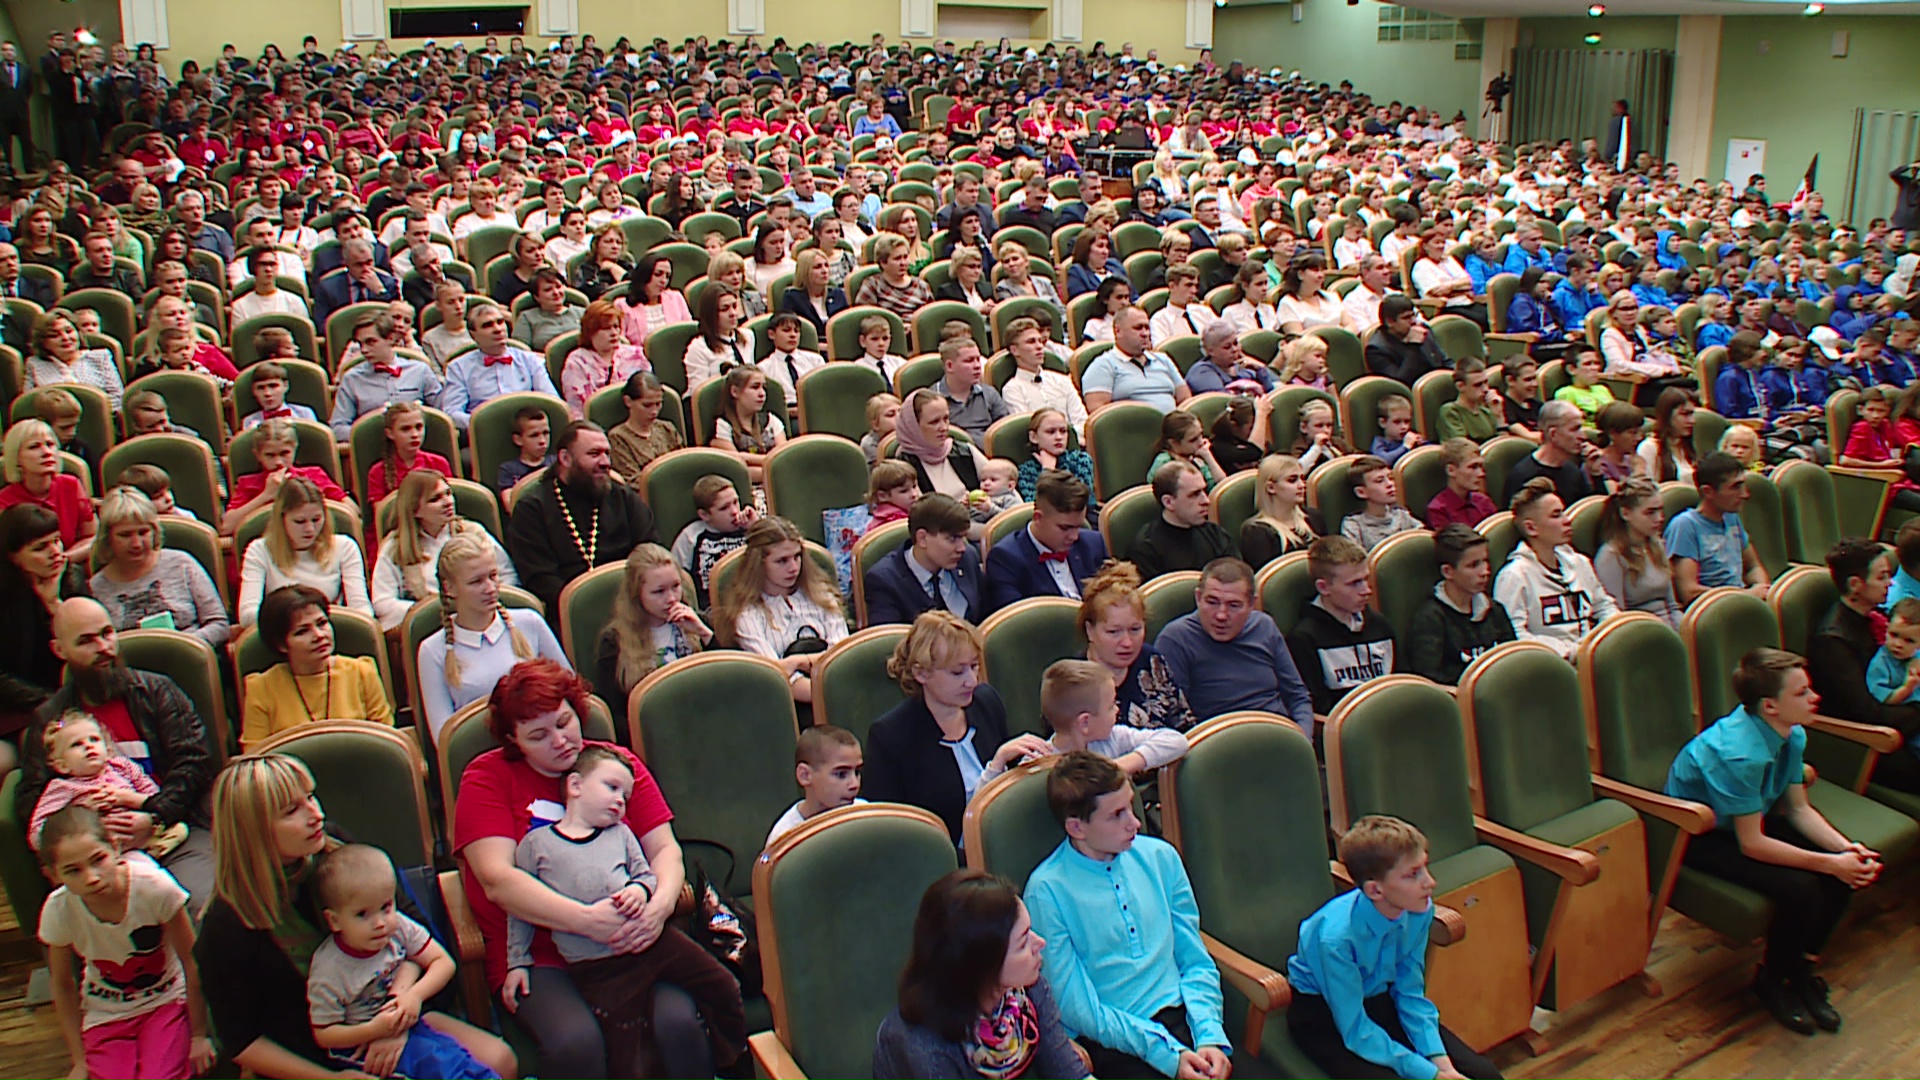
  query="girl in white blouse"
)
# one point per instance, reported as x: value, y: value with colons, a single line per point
x: 780, y: 604
x: 721, y: 343
x: 424, y: 520
x: 1252, y: 308
x: 300, y: 547
x: 1305, y: 304
x: 1113, y: 297
x: 745, y: 425
x: 478, y: 640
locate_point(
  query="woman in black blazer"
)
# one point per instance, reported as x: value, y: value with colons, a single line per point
x: 968, y: 284
x: 935, y: 749
x: 811, y: 297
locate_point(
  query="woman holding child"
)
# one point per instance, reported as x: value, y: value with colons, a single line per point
x: 520, y: 786
x: 266, y: 922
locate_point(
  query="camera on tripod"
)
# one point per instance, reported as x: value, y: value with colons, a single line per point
x: 1497, y: 91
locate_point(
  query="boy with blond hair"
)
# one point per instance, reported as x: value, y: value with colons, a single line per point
x: 1081, y: 704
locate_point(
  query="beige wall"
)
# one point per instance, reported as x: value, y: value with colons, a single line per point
x: 200, y: 27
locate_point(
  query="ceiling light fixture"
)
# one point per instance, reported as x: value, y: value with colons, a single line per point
x: 1814, y: 9
x: 1593, y: 39
x: 1594, y: 11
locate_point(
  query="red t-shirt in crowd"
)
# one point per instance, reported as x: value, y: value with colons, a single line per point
x: 248, y: 488
x: 118, y: 722
x: 66, y: 498
x: 507, y: 798
x: 378, y: 485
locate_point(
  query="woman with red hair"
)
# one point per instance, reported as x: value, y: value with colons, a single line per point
x: 536, y: 715
x: 605, y: 357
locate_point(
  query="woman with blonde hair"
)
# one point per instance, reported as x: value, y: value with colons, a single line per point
x: 31, y: 461
x: 1113, y: 619
x: 264, y: 922
x: 729, y: 269
x: 300, y: 547
x: 895, y: 287
x: 1017, y: 278
x: 60, y: 356
x: 813, y: 296
x: 142, y: 582
x: 652, y: 625
x: 1632, y: 560
x: 1284, y: 523
x: 478, y: 640
x: 780, y: 604
x: 935, y: 749
x: 424, y: 520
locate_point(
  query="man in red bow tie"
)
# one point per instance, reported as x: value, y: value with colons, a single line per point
x: 381, y: 377
x: 939, y: 570
x: 1055, y: 554
x: 497, y: 366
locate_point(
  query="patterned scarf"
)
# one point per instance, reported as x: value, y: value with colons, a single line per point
x: 1003, y: 1041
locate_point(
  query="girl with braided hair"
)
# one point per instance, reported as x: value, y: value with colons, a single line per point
x: 478, y: 640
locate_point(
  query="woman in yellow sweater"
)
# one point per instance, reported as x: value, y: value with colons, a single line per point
x: 310, y: 683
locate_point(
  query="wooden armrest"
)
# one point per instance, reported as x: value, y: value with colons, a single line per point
x: 1573, y: 866
x: 466, y: 929
x: 1873, y: 736
x: 1341, y: 876
x: 1528, y: 338
x: 1266, y: 988
x: 1889, y: 476
x: 1748, y: 422
x: 771, y: 1058
x: 1695, y: 818
x: 1449, y: 927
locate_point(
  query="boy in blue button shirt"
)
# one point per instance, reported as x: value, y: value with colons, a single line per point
x: 1747, y: 768
x: 1706, y: 544
x: 1359, y: 978
x: 1124, y: 954
x: 1906, y: 551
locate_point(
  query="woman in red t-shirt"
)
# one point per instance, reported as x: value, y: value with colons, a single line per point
x: 535, y: 714
x: 32, y: 461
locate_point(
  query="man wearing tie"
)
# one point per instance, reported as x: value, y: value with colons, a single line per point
x: 361, y: 282
x: 16, y: 121
x: 1055, y: 554
x: 1184, y: 315
x: 938, y: 570
x: 495, y: 368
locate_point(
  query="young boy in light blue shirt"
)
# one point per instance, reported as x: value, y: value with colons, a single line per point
x: 1359, y: 976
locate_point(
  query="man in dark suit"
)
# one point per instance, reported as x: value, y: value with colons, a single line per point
x: 937, y: 569
x: 360, y: 282
x: 1052, y: 556
x: 12, y: 284
x: 16, y: 122
x: 347, y: 225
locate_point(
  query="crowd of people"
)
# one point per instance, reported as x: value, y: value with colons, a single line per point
x: 290, y: 260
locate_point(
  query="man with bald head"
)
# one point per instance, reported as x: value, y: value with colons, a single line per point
x: 151, y: 720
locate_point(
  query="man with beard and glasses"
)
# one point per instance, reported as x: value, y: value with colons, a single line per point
x: 152, y: 721
x: 575, y: 518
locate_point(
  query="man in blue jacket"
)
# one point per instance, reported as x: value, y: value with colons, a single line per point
x: 1575, y: 295
x: 1526, y: 250
x: 937, y: 569
x: 1055, y: 554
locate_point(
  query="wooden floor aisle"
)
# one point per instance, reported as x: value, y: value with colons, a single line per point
x: 1706, y: 1024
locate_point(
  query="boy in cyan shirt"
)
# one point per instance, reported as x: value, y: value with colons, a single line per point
x: 1360, y: 1007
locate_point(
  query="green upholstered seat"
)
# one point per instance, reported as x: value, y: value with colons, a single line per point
x: 490, y: 430
x: 1122, y: 518
x: 97, y: 423
x: 192, y: 399
x: 187, y: 461
x: 190, y: 662
x: 26, y: 886
x: 1009, y: 829
x: 727, y: 773
x: 1430, y: 392
x: 872, y: 547
x: 1521, y: 707
x: 1234, y: 502
x: 1809, y: 508
x: 811, y: 474
x: 667, y: 484
x: 1283, y: 423
x: 851, y: 688
x: 586, y: 605
x: 1360, y: 405
x: 1503, y: 536
x: 1583, y: 517
x: 372, y: 780
x: 835, y: 901
x: 1330, y: 490
x: 1346, y: 358
x: 1253, y: 886
x: 1764, y: 519
x: 1168, y: 597
x: 833, y: 399
x: 1501, y: 455
x: 843, y: 333
x: 1120, y: 438
x: 1284, y: 588
x: 1404, y: 570
x: 1022, y: 640
x: 930, y: 321
x: 466, y: 736
x: 1419, y: 475
x: 368, y: 445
